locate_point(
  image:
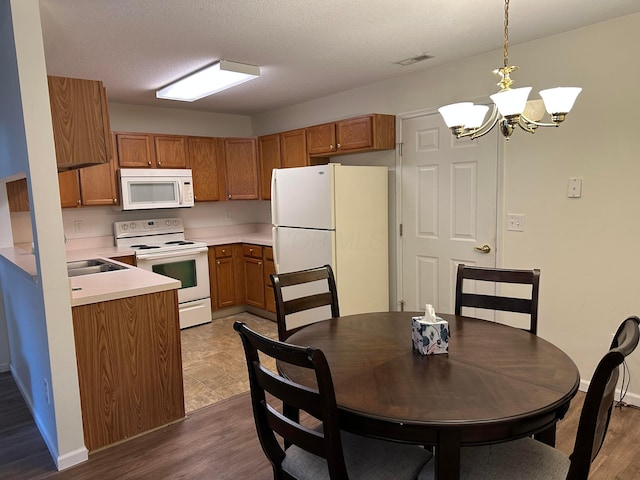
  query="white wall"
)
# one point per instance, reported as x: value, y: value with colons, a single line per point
x: 586, y: 248
x: 37, y: 312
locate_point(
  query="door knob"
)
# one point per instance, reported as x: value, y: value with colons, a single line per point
x: 483, y: 249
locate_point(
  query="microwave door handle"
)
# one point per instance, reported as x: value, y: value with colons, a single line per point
x: 179, y: 192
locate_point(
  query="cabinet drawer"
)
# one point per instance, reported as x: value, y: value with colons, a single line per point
x: 253, y: 251
x: 223, y: 251
x: 268, y: 253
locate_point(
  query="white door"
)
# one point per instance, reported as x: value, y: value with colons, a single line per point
x: 449, y: 198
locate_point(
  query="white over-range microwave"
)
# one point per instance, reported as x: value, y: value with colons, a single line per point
x: 146, y: 188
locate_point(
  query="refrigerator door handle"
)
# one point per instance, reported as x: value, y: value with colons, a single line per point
x: 275, y: 243
x: 274, y: 220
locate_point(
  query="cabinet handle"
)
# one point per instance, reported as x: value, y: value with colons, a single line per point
x: 195, y: 198
x: 259, y: 264
x: 229, y: 197
x: 78, y: 202
x: 149, y: 162
x: 330, y: 147
x: 224, y: 251
x: 159, y: 163
x: 218, y: 262
x: 339, y: 145
x: 115, y: 200
x: 251, y: 250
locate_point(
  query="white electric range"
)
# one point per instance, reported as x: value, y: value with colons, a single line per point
x: 160, y: 247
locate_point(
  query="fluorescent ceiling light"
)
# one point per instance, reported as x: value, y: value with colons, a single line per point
x: 212, y: 79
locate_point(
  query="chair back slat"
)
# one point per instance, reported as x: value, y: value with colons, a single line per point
x: 276, y: 402
x: 312, y: 301
x: 498, y: 302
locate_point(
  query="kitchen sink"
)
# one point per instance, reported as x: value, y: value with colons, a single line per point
x: 95, y: 265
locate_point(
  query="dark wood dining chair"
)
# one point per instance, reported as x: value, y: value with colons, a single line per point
x: 284, y: 308
x: 496, y: 302
x: 317, y: 448
x: 529, y: 459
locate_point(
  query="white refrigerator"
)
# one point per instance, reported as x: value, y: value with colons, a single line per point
x: 338, y: 215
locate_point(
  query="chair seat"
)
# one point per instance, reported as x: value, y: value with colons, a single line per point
x: 365, y: 458
x: 523, y: 459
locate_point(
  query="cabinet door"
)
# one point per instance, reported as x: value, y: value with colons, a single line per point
x: 69, y: 185
x: 78, y: 113
x: 293, y: 148
x: 135, y: 150
x: 269, y: 268
x: 98, y: 184
x: 171, y: 151
x: 18, y: 195
x: 321, y: 138
x: 241, y: 166
x: 269, y: 156
x: 355, y: 133
x: 206, y: 157
x: 254, y: 282
x: 223, y: 278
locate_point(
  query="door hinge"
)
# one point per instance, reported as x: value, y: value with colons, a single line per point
x: 400, y: 229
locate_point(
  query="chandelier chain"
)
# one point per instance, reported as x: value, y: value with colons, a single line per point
x: 506, y: 33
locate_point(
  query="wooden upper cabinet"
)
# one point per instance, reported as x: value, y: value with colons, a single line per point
x: 143, y: 150
x: 280, y: 150
x: 358, y: 134
x: 206, y: 160
x: 293, y: 148
x: 69, y: 185
x: 269, y: 158
x: 80, y: 122
x: 321, y: 139
x: 241, y: 165
x: 18, y: 195
x: 171, y: 151
x: 98, y: 183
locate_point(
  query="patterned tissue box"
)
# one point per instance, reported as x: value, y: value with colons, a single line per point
x: 430, y: 338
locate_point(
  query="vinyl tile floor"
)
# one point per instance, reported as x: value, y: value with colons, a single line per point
x: 213, y: 362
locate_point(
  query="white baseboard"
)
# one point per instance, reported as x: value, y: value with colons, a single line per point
x: 5, y: 367
x: 629, y: 398
x: 65, y: 461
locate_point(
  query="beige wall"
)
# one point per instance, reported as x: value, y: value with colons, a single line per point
x: 586, y: 248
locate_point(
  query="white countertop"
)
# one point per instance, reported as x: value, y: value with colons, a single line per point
x: 99, y: 287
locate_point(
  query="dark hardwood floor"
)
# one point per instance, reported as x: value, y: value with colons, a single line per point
x: 219, y: 442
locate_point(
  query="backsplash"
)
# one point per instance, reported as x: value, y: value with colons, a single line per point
x: 89, y: 222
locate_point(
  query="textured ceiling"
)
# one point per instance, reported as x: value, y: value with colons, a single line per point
x: 305, y: 48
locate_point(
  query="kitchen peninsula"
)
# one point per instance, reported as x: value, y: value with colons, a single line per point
x: 128, y: 353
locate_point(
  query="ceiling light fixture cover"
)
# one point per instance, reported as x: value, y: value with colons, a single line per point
x: 212, y: 79
x: 510, y: 107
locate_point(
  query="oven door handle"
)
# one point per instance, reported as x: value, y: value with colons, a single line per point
x: 176, y: 253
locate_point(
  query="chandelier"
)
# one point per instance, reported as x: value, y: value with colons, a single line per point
x: 510, y: 105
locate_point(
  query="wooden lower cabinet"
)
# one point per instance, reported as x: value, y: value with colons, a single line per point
x: 223, y: 277
x: 253, y: 275
x: 269, y: 268
x: 128, y: 259
x: 129, y: 366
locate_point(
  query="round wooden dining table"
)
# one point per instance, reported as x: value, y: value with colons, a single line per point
x: 495, y: 384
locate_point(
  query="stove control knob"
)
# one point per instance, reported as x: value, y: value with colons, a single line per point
x: 133, y: 225
x: 124, y: 227
x: 176, y: 222
x: 168, y: 222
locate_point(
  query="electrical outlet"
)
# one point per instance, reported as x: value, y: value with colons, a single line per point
x: 78, y: 226
x: 515, y: 222
x: 47, y: 394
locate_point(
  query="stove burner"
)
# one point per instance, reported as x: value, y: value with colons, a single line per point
x: 179, y: 242
x: 144, y: 247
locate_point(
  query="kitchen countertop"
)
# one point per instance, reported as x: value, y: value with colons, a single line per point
x: 98, y: 287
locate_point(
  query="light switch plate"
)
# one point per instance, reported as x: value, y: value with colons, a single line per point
x: 515, y: 222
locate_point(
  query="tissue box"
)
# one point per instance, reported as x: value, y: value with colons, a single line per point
x: 430, y: 338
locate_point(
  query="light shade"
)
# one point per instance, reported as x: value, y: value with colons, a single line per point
x: 212, y: 79
x: 456, y: 114
x: 559, y: 99
x: 511, y: 101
